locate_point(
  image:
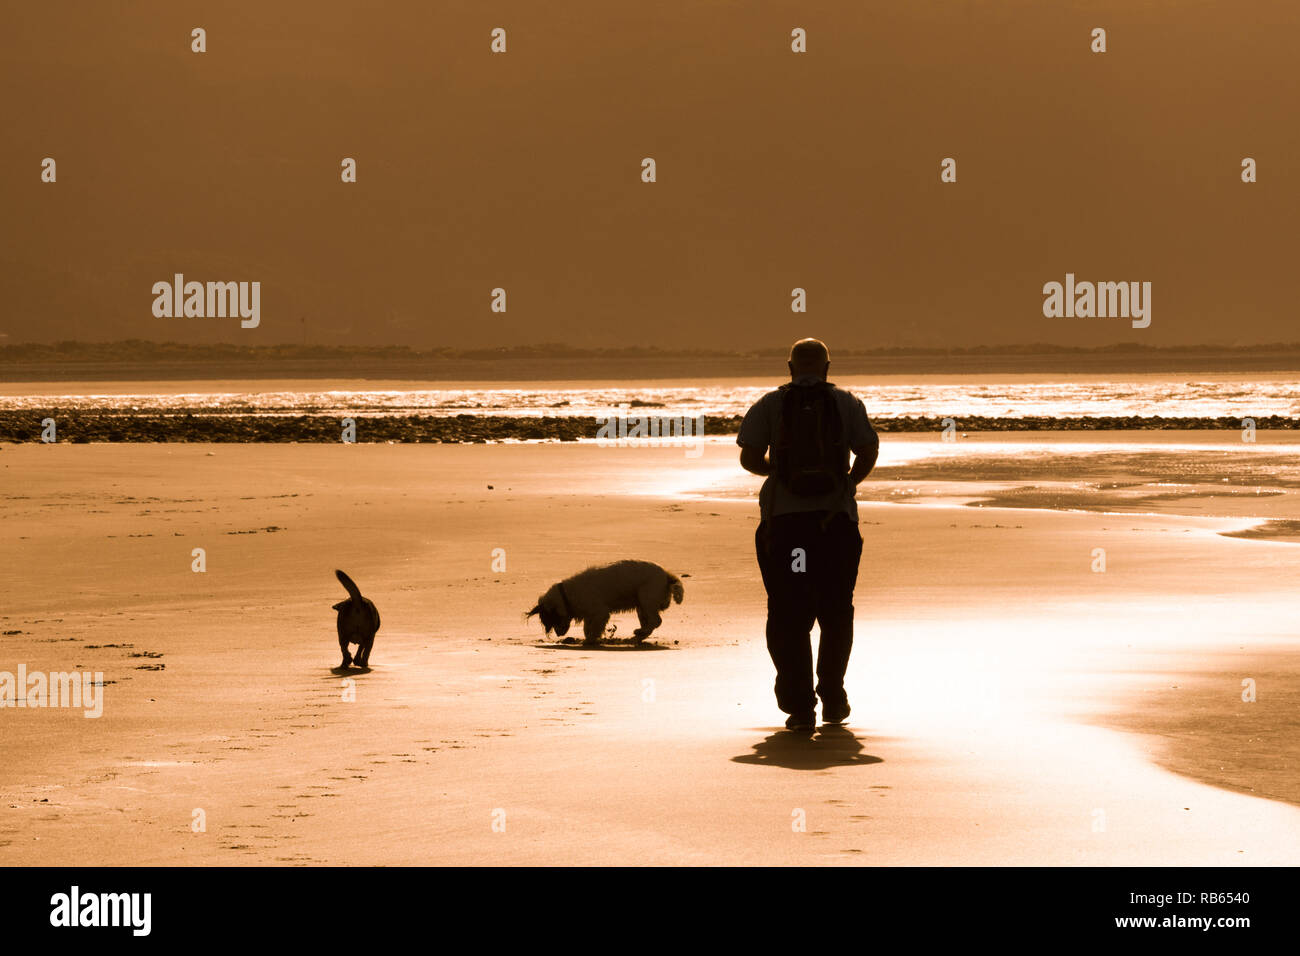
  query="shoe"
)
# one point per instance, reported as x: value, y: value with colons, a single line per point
x: 801, y: 722
x: 835, y: 713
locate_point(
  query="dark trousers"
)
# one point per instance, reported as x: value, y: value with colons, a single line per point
x: 817, y: 586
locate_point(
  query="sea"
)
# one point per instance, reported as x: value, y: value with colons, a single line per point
x: 1200, y: 395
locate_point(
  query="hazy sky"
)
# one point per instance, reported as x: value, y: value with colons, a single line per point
x: 775, y: 169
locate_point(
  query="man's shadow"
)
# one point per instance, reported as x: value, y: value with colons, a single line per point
x: 830, y: 746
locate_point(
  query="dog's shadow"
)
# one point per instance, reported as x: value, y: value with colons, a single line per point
x: 573, y: 645
x: 830, y: 746
x: 341, y: 671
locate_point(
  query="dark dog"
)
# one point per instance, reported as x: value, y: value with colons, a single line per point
x: 591, y: 596
x: 358, y: 622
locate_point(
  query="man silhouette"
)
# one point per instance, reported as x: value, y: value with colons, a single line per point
x: 807, y: 541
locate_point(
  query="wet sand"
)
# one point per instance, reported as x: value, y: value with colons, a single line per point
x: 1011, y: 704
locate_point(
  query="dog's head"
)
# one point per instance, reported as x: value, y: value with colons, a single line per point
x: 548, y: 609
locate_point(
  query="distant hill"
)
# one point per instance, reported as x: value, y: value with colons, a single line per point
x: 161, y: 361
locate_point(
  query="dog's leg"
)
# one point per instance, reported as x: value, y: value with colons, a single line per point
x: 593, y: 628
x: 650, y: 599
x: 649, y: 619
x: 370, y: 632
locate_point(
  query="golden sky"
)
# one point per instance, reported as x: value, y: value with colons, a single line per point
x: 775, y: 170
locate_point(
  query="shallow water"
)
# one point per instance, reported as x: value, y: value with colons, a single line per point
x: 1200, y: 395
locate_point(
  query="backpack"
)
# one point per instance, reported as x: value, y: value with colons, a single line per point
x: 809, y: 456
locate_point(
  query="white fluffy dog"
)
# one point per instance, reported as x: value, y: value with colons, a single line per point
x: 591, y: 596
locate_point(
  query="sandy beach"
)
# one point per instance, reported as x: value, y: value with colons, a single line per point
x: 1012, y: 705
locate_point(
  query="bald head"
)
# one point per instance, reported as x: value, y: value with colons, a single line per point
x: 809, y: 357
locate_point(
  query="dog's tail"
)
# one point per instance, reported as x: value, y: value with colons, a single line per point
x: 354, y: 592
x: 675, y: 587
